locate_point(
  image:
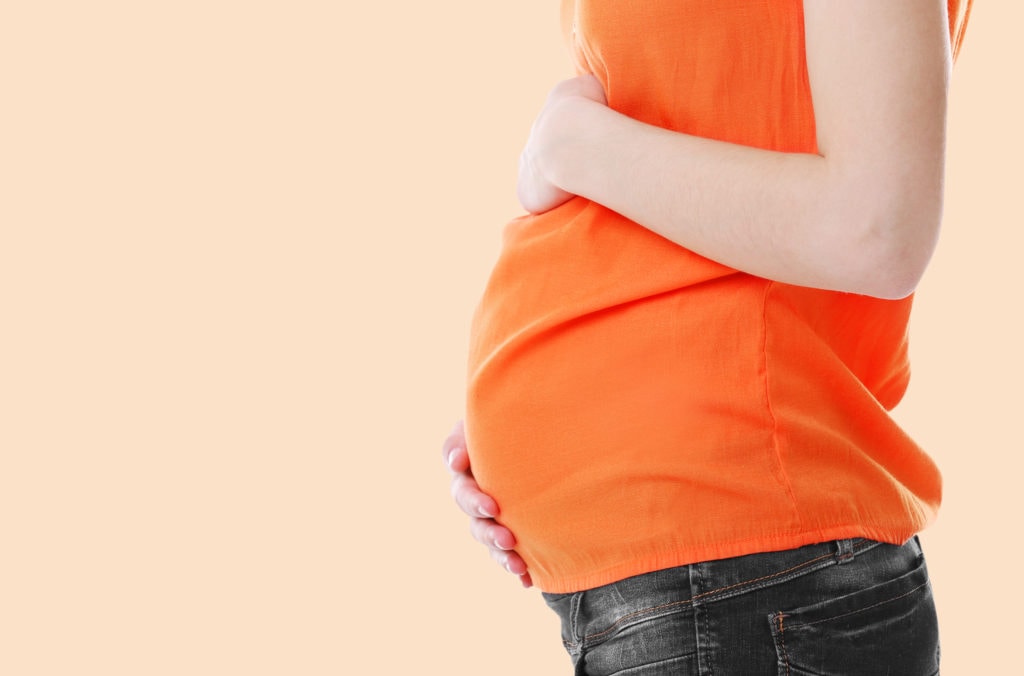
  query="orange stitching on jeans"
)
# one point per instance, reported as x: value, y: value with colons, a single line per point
x: 861, y: 610
x: 704, y: 594
x: 765, y: 577
x: 782, y: 640
x: 634, y: 614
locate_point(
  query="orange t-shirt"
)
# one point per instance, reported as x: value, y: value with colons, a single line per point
x: 634, y: 406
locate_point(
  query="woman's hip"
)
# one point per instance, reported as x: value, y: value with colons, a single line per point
x: 849, y: 607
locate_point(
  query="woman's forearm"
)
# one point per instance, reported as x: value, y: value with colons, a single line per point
x: 793, y: 217
x: 862, y: 215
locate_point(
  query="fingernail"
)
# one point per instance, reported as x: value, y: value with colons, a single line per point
x: 484, y: 512
x: 499, y: 545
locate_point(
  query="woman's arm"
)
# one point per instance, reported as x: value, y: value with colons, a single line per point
x: 861, y: 216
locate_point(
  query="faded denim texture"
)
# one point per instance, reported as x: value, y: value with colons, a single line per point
x: 844, y: 608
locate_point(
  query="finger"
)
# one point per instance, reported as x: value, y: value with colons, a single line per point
x: 453, y: 450
x: 492, y: 534
x: 526, y: 580
x: 458, y: 460
x: 471, y: 499
x: 510, y: 561
x: 515, y: 564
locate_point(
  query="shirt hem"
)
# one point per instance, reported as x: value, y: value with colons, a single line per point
x: 683, y: 556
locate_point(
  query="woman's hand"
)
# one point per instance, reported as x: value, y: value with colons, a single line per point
x: 535, y: 191
x: 480, y: 507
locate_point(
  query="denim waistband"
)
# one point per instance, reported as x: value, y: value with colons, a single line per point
x: 672, y: 589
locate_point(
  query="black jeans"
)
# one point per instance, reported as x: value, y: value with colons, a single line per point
x: 842, y: 608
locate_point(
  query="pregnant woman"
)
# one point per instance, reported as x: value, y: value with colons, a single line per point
x: 682, y: 366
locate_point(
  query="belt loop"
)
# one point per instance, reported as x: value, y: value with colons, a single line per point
x: 574, y: 617
x: 844, y: 553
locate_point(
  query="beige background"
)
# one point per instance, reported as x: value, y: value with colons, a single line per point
x: 240, y: 243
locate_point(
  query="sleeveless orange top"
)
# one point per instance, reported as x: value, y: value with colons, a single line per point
x: 634, y: 406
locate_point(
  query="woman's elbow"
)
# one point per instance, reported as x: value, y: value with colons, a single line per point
x: 898, y: 246
x: 895, y: 282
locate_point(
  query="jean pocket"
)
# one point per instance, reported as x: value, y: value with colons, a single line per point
x: 888, y: 628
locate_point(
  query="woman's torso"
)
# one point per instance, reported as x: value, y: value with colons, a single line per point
x: 634, y: 406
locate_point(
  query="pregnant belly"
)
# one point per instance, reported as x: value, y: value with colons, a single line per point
x: 603, y: 432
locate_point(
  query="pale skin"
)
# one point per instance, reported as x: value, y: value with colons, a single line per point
x: 861, y: 216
